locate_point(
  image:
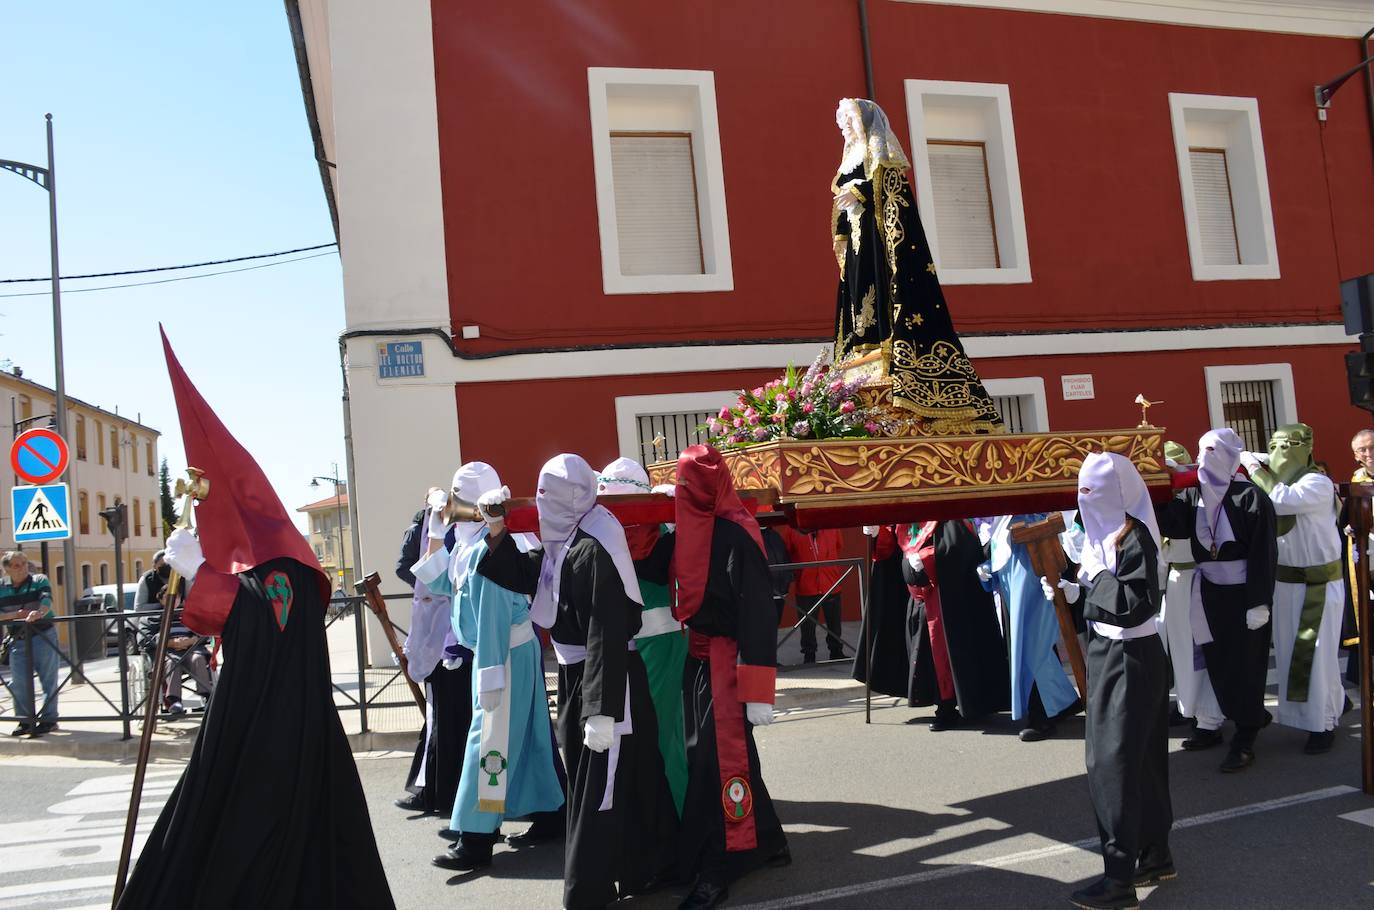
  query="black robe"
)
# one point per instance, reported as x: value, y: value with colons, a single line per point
x: 737, y: 604
x: 1127, y: 728
x: 443, y: 743
x: 634, y: 841
x: 888, y: 614
x: 269, y: 812
x: 1237, y: 657
x: 977, y: 650
x: 889, y: 299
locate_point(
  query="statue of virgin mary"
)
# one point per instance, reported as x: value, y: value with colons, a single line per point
x: 889, y: 298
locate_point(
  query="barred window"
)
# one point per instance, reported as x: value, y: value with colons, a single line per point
x: 674, y: 433
x: 1249, y: 409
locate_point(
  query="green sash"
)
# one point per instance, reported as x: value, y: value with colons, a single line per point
x: 1313, y: 603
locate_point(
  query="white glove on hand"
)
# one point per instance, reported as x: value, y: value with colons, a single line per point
x: 667, y: 489
x: 1253, y: 462
x: 490, y: 700
x: 984, y: 572
x: 598, y: 732
x: 454, y: 664
x: 485, y: 503
x: 1072, y: 591
x: 184, y: 553
x: 1256, y: 617
x: 759, y: 714
x: 871, y: 530
x: 437, y: 527
x: 436, y: 499
x: 848, y: 201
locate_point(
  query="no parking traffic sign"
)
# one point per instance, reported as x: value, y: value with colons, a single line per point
x: 39, y: 456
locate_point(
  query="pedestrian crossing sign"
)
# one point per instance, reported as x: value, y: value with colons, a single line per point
x: 41, y: 513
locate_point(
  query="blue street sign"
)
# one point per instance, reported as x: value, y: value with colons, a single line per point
x: 400, y: 360
x: 41, y: 513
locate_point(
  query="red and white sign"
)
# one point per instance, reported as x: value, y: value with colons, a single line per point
x: 1078, y: 387
x: 39, y: 456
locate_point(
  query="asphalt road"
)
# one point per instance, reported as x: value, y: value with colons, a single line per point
x: 882, y: 816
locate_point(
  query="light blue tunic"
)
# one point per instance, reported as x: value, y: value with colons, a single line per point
x: 483, y: 613
x: 1033, y: 634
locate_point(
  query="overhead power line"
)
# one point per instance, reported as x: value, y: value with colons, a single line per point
x: 139, y: 284
x: 173, y: 268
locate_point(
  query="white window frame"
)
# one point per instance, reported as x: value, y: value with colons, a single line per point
x: 1245, y: 182
x: 1285, y: 400
x: 1004, y: 179
x: 629, y: 408
x: 710, y: 179
x: 1032, y: 387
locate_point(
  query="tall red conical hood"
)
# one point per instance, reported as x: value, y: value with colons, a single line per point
x: 242, y: 523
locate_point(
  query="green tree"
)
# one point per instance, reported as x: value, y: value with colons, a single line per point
x: 169, y: 508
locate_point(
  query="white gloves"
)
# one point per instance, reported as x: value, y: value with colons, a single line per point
x: 184, y: 553
x: 871, y: 530
x: 848, y: 201
x: 490, y: 700
x: 667, y: 489
x: 487, y: 501
x: 436, y: 499
x: 1256, y: 617
x: 454, y: 664
x: 760, y: 714
x: 598, y: 732
x: 1072, y: 591
x: 985, y: 572
x: 1253, y: 462
x: 437, y: 526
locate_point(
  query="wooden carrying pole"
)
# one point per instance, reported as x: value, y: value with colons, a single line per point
x: 1361, y: 523
x: 372, y: 590
x: 196, y: 489
x: 1047, y: 559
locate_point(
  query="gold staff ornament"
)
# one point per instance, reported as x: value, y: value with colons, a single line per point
x: 1145, y: 405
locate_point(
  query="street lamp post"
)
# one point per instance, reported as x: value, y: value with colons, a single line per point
x: 338, y: 504
x: 47, y: 179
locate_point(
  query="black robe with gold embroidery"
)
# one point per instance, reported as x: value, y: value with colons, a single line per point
x: 889, y: 299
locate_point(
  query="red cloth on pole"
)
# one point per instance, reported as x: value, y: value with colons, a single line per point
x: 704, y: 492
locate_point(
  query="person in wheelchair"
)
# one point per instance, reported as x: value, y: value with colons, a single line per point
x: 187, y: 652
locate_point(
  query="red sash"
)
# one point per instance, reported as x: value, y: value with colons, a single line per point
x: 732, y: 753
x: 923, y: 546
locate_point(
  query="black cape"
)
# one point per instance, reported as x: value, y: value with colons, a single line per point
x: 269, y: 813
x: 977, y: 650
x: 889, y: 607
x: 635, y: 840
x: 1237, y: 657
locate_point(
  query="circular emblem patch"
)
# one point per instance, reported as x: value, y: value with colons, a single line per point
x: 493, y: 765
x: 737, y: 798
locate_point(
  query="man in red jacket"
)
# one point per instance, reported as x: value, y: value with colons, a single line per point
x: 817, y: 588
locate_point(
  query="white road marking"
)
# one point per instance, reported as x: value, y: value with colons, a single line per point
x: 1033, y: 855
x: 68, y: 884
x: 949, y: 832
x: 1362, y: 817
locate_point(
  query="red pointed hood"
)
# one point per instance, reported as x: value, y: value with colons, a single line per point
x: 241, y: 524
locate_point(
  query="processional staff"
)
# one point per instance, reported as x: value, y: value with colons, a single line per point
x: 194, y: 488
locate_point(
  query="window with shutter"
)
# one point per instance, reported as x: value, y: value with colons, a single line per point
x: 656, y: 203
x: 963, y: 205
x: 1216, y: 214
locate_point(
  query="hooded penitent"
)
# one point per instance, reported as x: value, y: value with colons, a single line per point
x: 1218, y: 458
x: 241, y: 523
x: 705, y: 492
x: 566, y: 499
x: 1110, y: 490
x: 622, y: 477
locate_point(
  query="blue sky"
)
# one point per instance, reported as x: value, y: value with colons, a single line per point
x: 180, y: 137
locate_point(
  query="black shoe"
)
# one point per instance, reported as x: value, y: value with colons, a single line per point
x: 22, y: 730
x: 1070, y: 711
x: 44, y: 726
x: 946, y: 718
x: 1238, y: 759
x: 1154, y: 867
x: 1203, y: 739
x: 538, y: 833
x: 1106, y: 894
x: 411, y: 803
x: 654, y: 883
x: 460, y: 859
x: 782, y: 858
x: 1317, y: 743
x: 704, y: 896
x: 1036, y: 734
x: 1176, y: 718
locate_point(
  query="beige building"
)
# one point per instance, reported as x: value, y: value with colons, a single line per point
x: 327, y: 540
x: 113, y: 458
